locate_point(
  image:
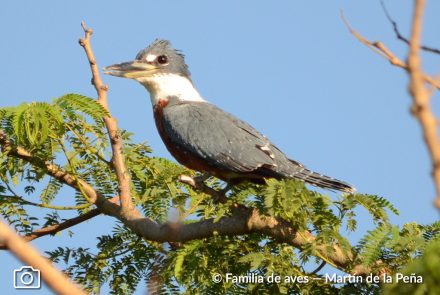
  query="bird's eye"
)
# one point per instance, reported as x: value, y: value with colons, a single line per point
x: 162, y: 59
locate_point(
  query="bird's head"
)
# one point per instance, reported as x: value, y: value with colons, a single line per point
x: 161, y: 69
x: 159, y: 58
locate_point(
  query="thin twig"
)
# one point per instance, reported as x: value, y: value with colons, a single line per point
x: 88, y: 147
x: 323, y: 263
x: 53, y: 229
x: 400, y: 36
x: 383, y: 51
x: 20, y: 200
x: 116, y: 254
x: 54, y: 278
x: 122, y: 174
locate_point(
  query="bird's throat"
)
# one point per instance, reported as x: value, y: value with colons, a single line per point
x: 167, y: 86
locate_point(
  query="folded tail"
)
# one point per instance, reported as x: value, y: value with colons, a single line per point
x: 316, y: 179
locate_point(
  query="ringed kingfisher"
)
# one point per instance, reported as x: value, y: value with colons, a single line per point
x: 202, y: 136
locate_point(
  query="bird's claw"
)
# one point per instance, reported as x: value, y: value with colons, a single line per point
x: 202, y: 177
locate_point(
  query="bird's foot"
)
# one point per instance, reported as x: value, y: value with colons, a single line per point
x: 202, y: 177
x: 198, y: 184
x: 226, y: 189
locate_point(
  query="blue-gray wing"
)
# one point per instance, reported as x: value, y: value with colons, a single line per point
x: 202, y: 130
x: 218, y: 137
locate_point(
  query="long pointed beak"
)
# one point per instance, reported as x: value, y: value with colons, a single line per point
x: 132, y: 69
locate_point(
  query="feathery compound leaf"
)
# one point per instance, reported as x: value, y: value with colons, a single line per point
x: 33, y: 123
x: 50, y: 191
x: 431, y: 231
x: 423, y: 270
x: 375, y: 205
x: 371, y: 244
x: 83, y: 104
x: 180, y: 258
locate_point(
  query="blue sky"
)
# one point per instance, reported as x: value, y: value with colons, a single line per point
x: 290, y: 68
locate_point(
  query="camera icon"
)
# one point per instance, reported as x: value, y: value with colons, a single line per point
x: 27, y: 277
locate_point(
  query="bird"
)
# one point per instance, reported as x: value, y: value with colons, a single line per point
x: 203, y: 137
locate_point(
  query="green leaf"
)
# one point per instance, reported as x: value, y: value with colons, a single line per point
x: 375, y: 205
x: 371, y: 244
x: 82, y: 104
x: 254, y: 259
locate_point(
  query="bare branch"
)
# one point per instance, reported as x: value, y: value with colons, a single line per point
x: 400, y: 36
x: 383, y: 51
x: 122, y: 174
x: 421, y: 107
x: 421, y: 99
x: 55, y: 279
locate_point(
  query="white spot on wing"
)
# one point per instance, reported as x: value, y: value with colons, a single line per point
x: 267, y: 151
